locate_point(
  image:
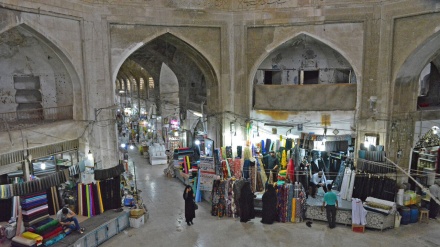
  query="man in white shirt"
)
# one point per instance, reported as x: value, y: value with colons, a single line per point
x: 317, y: 180
x: 66, y: 216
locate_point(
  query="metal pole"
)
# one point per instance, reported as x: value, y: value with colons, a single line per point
x: 424, y: 189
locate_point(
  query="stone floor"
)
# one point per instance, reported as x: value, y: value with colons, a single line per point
x: 166, y: 225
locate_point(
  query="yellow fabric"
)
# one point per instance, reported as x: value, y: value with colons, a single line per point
x: 33, y: 236
x: 101, y: 205
x: 283, y: 160
x: 293, y: 210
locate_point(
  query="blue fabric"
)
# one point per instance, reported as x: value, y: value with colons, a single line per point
x: 73, y: 227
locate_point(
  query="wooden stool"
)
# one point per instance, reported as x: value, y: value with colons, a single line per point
x: 424, y: 213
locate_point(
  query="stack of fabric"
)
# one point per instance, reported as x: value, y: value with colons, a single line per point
x: 90, y: 199
x: 34, y: 208
x: 19, y: 241
x: 50, y: 230
x: 33, y: 236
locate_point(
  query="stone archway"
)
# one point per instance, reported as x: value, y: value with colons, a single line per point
x: 167, y: 57
x: 312, y: 78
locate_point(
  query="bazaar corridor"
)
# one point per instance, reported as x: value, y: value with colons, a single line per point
x: 166, y: 224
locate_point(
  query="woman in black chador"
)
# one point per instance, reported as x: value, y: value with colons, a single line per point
x: 269, y: 205
x: 246, y: 200
x: 190, y: 211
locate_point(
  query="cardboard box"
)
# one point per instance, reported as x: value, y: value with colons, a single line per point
x: 136, y: 212
x: 137, y: 221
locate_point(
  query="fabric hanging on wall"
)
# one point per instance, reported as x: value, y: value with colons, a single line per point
x: 345, y: 184
x: 237, y: 168
x: 337, y: 182
x: 111, y: 196
x: 236, y: 187
x: 289, y: 143
x: 277, y: 145
x: 262, y: 171
x: 351, y: 185
x: 268, y: 144
x: 263, y: 148
x: 246, y: 168
x: 109, y: 173
x: 223, y: 152
x: 290, y: 205
x: 230, y: 212
x: 228, y: 160
x: 228, y: 152
x: 6, y: 206
x: 239, y: 151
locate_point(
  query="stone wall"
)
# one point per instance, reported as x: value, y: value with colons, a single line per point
x: 385, y: 42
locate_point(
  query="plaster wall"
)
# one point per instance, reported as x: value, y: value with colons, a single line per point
x: 25, y: 55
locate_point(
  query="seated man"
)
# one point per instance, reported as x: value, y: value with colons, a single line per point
x: 317, y: 180
x: 65, y: 216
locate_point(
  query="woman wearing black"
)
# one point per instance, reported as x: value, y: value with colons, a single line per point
x: 246, y: 203
x: 190, y: 211
x: 269, y: 205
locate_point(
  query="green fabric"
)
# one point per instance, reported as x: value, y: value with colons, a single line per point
x: 46, y: 226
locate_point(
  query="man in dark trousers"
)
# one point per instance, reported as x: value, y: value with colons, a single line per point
x: 331, y: 205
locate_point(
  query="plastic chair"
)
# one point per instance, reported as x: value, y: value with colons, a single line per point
x: 424, y: 215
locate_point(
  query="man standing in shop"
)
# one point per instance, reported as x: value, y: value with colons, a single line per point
x: 330, y: 203
x: 273, y: 164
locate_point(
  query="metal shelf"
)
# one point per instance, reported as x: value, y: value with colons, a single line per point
x: 427, y: 159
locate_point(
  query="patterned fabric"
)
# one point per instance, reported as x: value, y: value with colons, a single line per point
x: 229, y: 190
x: 237, y: 168
x: 229, y: 152
x: 238, y: 184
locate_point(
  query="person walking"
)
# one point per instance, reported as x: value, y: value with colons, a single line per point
x: 190, y: 210
x: 331, y: 205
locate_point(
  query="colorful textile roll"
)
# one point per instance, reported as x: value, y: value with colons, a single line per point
x: 88, y: 201
x: 33, y: 236
x: 228, y: 167
x: 54, y: 240
x: 101, y: 205
x: 185, y: 165
x: 292, y: 219
x: 80, y: 199
x: 24, y: 241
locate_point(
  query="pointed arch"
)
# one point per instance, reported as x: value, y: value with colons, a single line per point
x: 60, y: 53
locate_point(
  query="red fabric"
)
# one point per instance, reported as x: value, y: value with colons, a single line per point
x: 53, y: 233
x: 291, y: 171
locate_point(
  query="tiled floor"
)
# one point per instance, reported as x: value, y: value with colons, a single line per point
x: 166, y: 225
